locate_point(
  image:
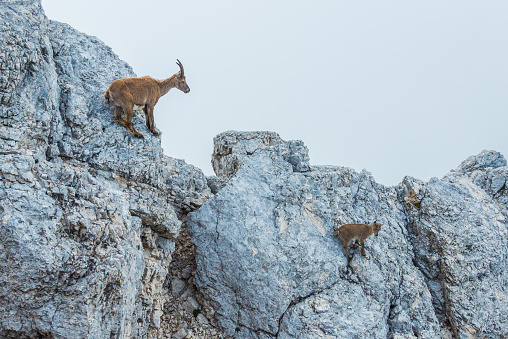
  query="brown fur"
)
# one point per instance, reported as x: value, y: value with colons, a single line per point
x: 349, y: 232
x: 144, y: 92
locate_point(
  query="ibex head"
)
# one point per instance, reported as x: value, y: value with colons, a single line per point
x: 376, y: 227
x: 181, y: 84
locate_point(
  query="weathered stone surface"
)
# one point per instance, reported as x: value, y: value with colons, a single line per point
x: 490, y: 174
x: 266, y: 253
x: 231, y: 148
x: 458, y: 228
x: 269, y: 265
x: 88, y: 214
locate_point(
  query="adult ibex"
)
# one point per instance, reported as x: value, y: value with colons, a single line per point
x: 143, y: 92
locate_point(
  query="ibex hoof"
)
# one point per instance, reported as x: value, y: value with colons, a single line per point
x: 139, y: 135
x: 155, y: 132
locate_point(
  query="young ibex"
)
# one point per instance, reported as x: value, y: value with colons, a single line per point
x: 142, y: 92
x: 350, y: 232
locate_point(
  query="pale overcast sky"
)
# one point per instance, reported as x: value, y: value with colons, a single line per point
x: 395, y: 87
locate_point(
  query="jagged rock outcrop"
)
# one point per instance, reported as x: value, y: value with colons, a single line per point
x: 458, y: 228
x: 88, y: 214
x: 269, y: 265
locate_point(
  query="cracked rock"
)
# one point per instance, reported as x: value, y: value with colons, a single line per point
x: 177, y: 286
x: 268, y: 263
x: 267, y: 260
x: 88, y: 215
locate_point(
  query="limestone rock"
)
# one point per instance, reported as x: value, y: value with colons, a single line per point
x: 270, y: 267
x: 460, y: 238
x: 88, y: 214
x: 231, y: 148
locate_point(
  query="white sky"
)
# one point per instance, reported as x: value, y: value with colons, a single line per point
x: 396, y: 87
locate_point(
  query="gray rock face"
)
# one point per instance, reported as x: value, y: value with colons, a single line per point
x: 88, y: 214
x: 458, y: 227
x: 268, y: 263
x: 231, y: 148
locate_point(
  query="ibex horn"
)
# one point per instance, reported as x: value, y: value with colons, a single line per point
x: 181, y: 67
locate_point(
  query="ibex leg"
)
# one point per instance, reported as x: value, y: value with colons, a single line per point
x: 149, y: 119
x: 145, y: 110
x: 346, y: 248
x: 128, y: 122
x: 118, y: 114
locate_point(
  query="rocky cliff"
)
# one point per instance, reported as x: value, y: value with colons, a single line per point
x: 102, y: 235
x: 89, y: 215
x: 268, y: 263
